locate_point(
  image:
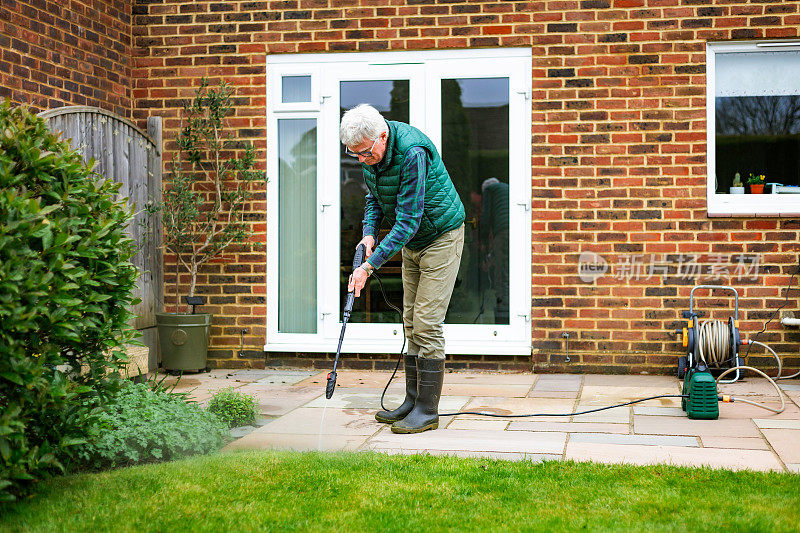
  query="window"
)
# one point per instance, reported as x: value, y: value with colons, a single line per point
x: 295, y: 89
x: 754, y: 128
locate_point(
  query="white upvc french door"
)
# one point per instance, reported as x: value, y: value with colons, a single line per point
x: 475, y: 107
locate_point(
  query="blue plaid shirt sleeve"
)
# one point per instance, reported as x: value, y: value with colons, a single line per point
x: 372, y: 216
x: 410, y: 206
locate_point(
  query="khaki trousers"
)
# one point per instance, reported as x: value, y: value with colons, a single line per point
x: 428, y: 279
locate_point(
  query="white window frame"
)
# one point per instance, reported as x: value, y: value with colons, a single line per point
x: 737, y: 205
x: 512, y: 339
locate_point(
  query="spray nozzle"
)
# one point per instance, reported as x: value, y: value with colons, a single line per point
x: 331, y: 385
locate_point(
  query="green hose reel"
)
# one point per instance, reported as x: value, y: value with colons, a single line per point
x: 721, y: 339
x: 701, y: 397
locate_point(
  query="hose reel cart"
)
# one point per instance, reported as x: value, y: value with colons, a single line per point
x: 714, y: 342
x: 711, y: 348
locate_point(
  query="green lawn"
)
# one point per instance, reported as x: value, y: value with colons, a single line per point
x: 262, y: 491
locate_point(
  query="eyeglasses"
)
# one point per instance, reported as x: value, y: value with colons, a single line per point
x: 363, y: 153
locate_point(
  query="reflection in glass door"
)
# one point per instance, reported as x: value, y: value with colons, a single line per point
x: 475, y: 150
x: 391, y: 98
x: 297, y: 225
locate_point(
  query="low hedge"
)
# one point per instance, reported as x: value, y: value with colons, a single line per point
x: 142, y: 425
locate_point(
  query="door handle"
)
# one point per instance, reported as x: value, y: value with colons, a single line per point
x: 473, y: 221
x: 525, y: 205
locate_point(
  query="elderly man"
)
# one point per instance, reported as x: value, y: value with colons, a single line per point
x: 409, y: 187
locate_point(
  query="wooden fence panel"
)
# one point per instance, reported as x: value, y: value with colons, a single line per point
x: 132, y: 157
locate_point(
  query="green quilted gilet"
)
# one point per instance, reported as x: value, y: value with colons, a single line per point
x: 443, y: 208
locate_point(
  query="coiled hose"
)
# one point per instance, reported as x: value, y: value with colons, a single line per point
x: 715, y: 346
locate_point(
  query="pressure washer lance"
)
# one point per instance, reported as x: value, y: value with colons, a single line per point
x: 358, y: 260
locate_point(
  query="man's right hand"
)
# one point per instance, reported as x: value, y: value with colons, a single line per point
x: 369, y: 244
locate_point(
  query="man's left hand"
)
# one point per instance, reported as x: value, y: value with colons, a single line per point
x: 357, y: 280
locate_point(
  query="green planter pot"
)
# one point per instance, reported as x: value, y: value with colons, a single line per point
x: 183, y: 340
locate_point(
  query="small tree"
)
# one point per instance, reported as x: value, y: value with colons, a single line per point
x: 208, y: 185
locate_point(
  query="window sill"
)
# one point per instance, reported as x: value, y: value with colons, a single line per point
x: 753, y: 205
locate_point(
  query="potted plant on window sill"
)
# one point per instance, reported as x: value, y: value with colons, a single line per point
x: 736, y: 186
x: 204, y: 197
x: 756, y: 184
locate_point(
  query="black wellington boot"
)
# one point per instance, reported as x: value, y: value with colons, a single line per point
x: 425, y: 414
x: 388, y: 417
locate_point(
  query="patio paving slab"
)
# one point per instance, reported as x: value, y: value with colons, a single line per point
x: 259, y: 440
x: 557, y: 385
x: 749, y: 387
x: 785, y: 442
x: 355, y: 378
x: 569, y: 427
x: 277, y: 400
x: 657, y: 411
x: 371, y: 399
x: 561, y: 377
x: 490, y: 378
x: 492, y: 424
x: 616, y: 415
x: 610, y: 395
x: 309, y: 421
x: 537, y: 393
x: 777, y: 423
x: 669, y: 425
x: 741, y: 443
x: 507, y: 406
x: 609, y: 380
x: 479, y: 389
x: 473, y: 440
x: 285, y: 377
x: 646, y: 440
x: 744, y: 410
x: 677, y: 455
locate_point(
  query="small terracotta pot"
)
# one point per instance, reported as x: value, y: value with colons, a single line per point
x: 756, y: 188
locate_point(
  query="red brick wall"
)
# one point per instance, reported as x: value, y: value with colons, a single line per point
x: 619, y: 168
x: 175, y: 45
x: 618, y: 141
x: 66, y: 53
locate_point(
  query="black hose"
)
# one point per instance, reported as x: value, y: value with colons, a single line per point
x: 478, y: 413
x: 402, y: 348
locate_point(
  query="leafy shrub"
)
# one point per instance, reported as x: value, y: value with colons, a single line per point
x: 65, y: 287
x: 234, y: 408
x: 142, y: 425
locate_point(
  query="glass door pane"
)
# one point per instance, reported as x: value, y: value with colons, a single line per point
x: 391, y: 98
x: 475, y: 150
x: 297, y: 226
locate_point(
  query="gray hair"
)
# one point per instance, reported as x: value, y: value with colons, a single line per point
x: 360, y: 124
